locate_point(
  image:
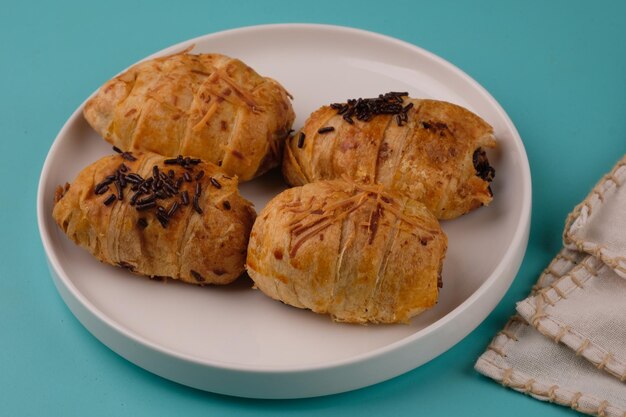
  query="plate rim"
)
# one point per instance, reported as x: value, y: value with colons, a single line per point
x: 519, y: 240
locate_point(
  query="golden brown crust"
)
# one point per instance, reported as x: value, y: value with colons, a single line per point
x: 207, y: 248
x: 209, y: 106
x: 352, y: 251
x: 429, y: 158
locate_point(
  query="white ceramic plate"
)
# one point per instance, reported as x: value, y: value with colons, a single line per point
x: 236, y: 341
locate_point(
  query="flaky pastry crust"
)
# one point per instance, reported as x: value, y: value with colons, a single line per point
x: 207, y: 248
x: 208, y: 106
x: 436, y: 156
x: 352, y: 251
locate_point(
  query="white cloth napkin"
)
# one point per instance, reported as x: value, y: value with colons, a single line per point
x: 568, y: 343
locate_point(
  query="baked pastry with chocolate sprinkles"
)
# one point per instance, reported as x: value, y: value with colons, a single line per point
x: 206, y: 105
x: 162, y: 217
x: 429, y: 150
x: 353, y: 251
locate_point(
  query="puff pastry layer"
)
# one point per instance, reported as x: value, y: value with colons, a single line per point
x: 206, y: 248
x: 352, y: 251
x: 209, y: 106
x: 436, y: 156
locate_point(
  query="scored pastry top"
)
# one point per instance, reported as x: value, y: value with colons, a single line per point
x: 432, y: 151
x: 179, y: 217
x: 353, y: 251
x: 208, y: 106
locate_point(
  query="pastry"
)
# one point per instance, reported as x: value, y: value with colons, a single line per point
x: 353, y: 251
x: 430, y: 150
x: 208, y: 106
x: 179, y: 218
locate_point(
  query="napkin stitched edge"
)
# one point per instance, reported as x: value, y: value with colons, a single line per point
x: 486, y: 364
x: 581, y: 214
x: 536, y: 311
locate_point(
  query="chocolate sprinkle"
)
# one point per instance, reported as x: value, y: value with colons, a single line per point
x: 172, y: 189
x: 161, y: 185
x: 118, y: 187
x: 110, y: 199
x: 145, y: 206
x: 216, y: 183
x: 325, y: 129
x: 364, y: 109
x: 121, y: 178
x: 196, y: 204
x: 163, y: 219
x: 148, y: 199
x: 172, y: 209
x: 226, y: 205
x: 134, y: 178
x: 128, y: 156
x: 102, y: 188
x: 197, y: 276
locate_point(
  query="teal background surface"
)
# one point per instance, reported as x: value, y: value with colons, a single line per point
x: 558, y: 68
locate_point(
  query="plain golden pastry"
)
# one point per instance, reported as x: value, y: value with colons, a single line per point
x: 208, y: 106
x: 353, y: 251
x: 177, y: 218
x: 432, y: 151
